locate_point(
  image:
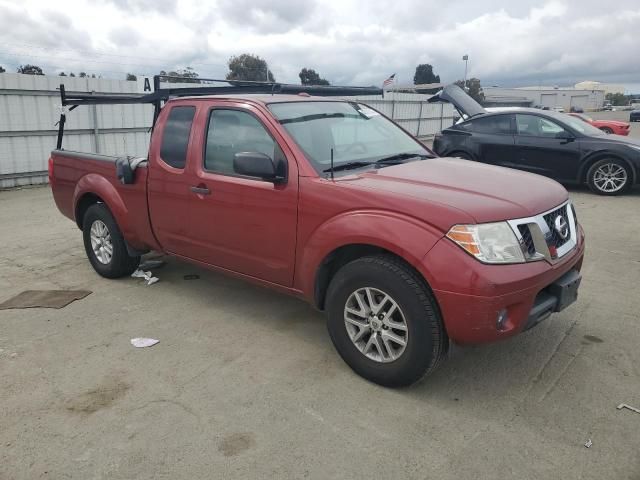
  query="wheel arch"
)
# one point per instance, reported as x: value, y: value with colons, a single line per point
x: 345, y: 254
x: 596, y: 156
x: 82, y: 205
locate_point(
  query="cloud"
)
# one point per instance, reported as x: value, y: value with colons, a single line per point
x: 346, y: 41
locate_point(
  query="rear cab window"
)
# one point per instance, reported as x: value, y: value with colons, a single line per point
x: 495, y: 124
x: 175, y: 136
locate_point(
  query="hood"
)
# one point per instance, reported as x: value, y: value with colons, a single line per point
x: 454, y: 95
x: 484, y: 192
x: 613, y: 139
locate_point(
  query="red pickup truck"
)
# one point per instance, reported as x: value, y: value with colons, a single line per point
x: 331, y: 201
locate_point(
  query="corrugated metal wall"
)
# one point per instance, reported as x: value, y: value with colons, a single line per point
x: 30, y: 108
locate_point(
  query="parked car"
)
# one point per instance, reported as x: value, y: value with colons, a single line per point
x: 330, y: 201
x: 548, y: 143
x: 558, y: 109
x: 576, y: 110
x: 634, y: 116
x: 607, y: 126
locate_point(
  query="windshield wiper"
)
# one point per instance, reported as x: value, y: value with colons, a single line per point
x: 347, y: 166
x: 400, y: 158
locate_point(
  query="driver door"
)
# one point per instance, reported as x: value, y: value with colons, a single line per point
x: 239, y: 223
x: 546, y: 147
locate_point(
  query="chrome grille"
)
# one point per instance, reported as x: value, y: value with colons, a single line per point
x: 538, y: 237
x: 553, y: 237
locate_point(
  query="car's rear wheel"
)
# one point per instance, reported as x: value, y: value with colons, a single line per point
x: 384, y: 322
x: 609, y: 176
x: 105, y: 245
x: 606, y: 130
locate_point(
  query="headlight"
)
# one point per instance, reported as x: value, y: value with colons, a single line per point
x: 488, y: 242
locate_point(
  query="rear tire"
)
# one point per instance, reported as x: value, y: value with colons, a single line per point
x: 368, y: 331
x: 105, y: 245
x: 609, y: 176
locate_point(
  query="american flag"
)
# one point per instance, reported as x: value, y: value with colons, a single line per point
x: 389, y: 81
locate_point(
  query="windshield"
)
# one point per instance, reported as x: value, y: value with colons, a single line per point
x: 355, y: 132
x: 579, y: 125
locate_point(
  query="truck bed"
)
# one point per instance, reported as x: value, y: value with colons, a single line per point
x: 75, y: 175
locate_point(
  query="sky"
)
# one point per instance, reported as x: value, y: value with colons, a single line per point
x: 349, y: 42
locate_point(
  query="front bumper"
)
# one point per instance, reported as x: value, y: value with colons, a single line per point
x: 472, y: 295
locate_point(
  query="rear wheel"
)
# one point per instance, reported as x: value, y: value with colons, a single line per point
x: 105, y: 245
x: 606, y: 130
x: 609, y: 176
x: 384, y: 322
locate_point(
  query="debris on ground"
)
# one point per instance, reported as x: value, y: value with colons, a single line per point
x: 152, y: 263
x: 191, y: 277
x: 624, y: 405
x: 44, y: 299
x: 588, y: 444
x: 148, y: 276
x: 144, y: 342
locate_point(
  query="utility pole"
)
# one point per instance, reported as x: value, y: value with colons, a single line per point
x: 465, y: 57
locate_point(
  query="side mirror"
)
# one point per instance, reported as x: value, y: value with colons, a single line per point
x: 564, y: 135
x: 256, y: 164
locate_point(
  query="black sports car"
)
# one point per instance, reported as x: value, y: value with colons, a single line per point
x: 539, y: 141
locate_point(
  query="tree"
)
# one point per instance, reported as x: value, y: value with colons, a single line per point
x: 249, y: 67
x: 82, y: 75
x: 2, y: 70
x: 30, y: 70
x: 72, y: 74
x: 187, y: 75
x: 62, y: 74
x: 473, y: 88
x: 424, y: 74
x: 131, y: 77
x: 618, y: 98
x: 308, y: 76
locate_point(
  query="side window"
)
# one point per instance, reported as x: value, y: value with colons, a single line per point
x: 494, y: 124
x: 532, y: 125
x: 175, y: 137
x: 230, y: 132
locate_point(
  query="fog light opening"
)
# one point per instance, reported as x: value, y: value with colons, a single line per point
x: 501, y: 320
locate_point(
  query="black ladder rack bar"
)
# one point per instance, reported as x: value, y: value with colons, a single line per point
x: 231, y: 87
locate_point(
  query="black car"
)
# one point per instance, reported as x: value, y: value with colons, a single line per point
x: 634, y: 116
x: 539, y: 141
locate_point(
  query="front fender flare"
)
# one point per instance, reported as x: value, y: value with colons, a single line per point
x: 405, y: 236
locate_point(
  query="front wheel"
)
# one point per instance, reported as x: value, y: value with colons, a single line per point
x: 606, y: 130
x: 105, y: 245
x: 384, y: 322
x: 609, y: 176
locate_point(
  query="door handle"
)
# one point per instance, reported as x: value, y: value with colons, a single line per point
x: 201, y: 190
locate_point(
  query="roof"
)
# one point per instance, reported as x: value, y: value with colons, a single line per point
x: 265, y: 99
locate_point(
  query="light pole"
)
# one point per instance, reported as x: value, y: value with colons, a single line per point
x: 465, y: 57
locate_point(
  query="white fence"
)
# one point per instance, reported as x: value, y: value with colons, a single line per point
x: 30, y: 108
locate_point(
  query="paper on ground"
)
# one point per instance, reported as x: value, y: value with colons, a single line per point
x: 143, y: 342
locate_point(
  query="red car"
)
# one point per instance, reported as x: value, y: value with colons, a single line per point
x: 607, y: 126
x: 331, y: 201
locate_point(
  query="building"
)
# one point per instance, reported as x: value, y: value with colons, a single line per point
x: 550, y: 97
x: 607, y: 87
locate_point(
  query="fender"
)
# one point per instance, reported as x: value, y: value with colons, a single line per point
x: 98, y: 185
x: 400, y: 234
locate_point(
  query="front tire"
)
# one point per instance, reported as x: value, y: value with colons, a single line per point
x: 606, y: 130
x: 384, y: 321
x: 105, y: 245
x: 609, y: 176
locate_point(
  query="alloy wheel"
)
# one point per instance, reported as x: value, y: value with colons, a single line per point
x: 101, y: 242
x: 610, y: 177
x: 376, y: 325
